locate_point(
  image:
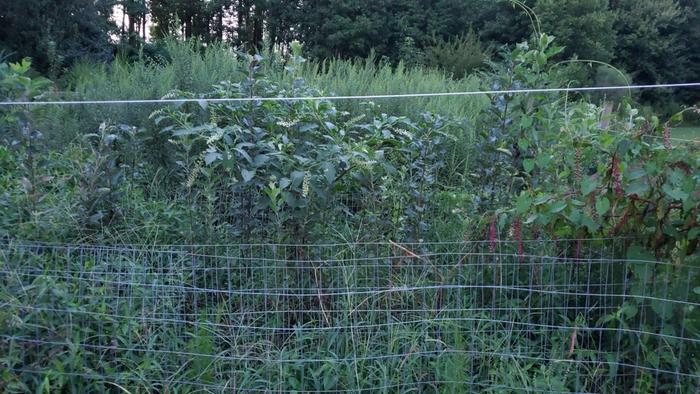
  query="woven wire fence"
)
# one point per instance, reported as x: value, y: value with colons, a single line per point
x: 546, y: 316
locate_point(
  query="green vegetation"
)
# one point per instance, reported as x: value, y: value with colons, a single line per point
x: 653, y: 41
x: 189, y: 69
x: 271, y: 181
x: 499, y: 243
x: 686, y: 133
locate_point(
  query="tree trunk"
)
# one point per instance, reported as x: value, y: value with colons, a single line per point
x: 220, y: 23
x: 257, y: 37
x: 123, y: 17
x: 244, y: 24
x: 143, y: 20
x: 132, y: 20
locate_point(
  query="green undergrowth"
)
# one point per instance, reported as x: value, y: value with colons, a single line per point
x: 402, y: 188
x: 86, y: 318
x: 192, y: 68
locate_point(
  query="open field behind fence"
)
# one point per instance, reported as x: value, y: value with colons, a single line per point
x: 687, y: 133
x: 558, y: 316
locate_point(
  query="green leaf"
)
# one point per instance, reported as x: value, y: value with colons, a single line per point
x: 329, y: 172
x: 635, y: 174
x: 523, y: 144
x: 628, y: 310
x: 531, y: 219
x: 675, y: 194
x: 524, y: 202
x: 638, y: 253
x: 291, y: 200
x: 542, y: 199
x: 638, y: 262
x: 541, y: 59
x: 606, y: 140
x: 247, y: 175
x: 528, y: 165
x: 284, y: 182
x: 694, y: 233
x: 590, y: 224
x: 575, y: 217
x: 543, y: 160
x: 662, y: 308
x: 297, y: 178
x: 183, y: 132
x: 678, y: 117
x: 260, y: 160
x: 308, y: 127
x: 557, y: 206
x: 638, y: 187
x: 588, y: 185
x: 602, y: 205
x: 211, y: 157
x: 653, y: 359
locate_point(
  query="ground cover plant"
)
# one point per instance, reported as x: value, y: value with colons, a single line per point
x: 537, y: 242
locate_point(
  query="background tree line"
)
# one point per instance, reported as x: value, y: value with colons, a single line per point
x: 653, y: 40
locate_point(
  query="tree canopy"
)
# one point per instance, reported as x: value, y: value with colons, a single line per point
x: 653, y: 40
x: 56, y: 33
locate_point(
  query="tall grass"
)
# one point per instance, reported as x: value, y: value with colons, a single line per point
x: 193, y: 68
x: 370, y: 77
x: 188, y: 68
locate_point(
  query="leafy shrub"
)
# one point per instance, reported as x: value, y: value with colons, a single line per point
x: 620, y: 175
x: 287, y: 162
x: 305, y: 171
x: 16, y: 84
x: 458, y: 57
x: 101, y: 178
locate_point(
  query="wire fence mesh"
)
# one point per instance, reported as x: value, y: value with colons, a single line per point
x: 553, y: 316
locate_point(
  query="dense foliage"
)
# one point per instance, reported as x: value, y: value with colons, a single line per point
x: 56, y: 34
x: 508, y: 168
x: 653, y: 41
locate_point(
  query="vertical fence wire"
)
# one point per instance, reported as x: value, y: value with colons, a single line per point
x: 562, y: 316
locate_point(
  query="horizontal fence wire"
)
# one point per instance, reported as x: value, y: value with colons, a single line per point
x: 355, y: 97
x: 557, y: 316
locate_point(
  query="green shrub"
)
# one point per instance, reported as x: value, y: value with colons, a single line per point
x: 272, y: 173
x: 294, y: 168
x: 458, y: 57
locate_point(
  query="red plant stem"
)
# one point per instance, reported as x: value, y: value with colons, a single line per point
x: 667, y: 138
x: 517, y: 233
x: 617, y: 177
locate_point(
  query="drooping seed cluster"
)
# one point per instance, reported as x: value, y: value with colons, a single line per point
x: 219, y: 134
x: 356, y: 119
x: 667, y: 138
x: 518, y: 235
x: 287, y: 124
x: 492, y: 235
x: 306, y: 184
x: 617, y: 177
x: 578, y: 170
x: 194, y: 171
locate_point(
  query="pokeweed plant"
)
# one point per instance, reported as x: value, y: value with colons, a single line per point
x: 626, y: 180
x: 572, y: 170
x: 621, y: 176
